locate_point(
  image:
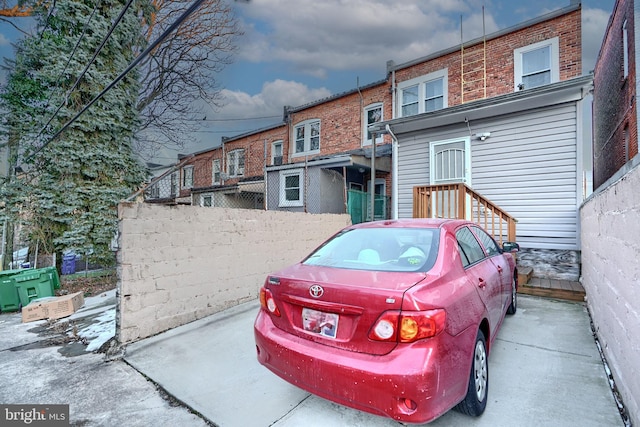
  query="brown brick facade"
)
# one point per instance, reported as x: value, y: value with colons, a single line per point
x: 342, y: 116
x: 615, y: 127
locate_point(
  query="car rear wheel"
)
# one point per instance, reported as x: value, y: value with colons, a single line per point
x: 514, y: 297
x: 475, y: 401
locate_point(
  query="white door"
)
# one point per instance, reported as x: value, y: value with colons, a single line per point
x: 449, y: 163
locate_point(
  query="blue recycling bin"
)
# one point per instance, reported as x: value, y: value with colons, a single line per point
x: 68, y: 264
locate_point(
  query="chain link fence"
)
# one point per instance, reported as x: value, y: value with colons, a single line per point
x: 314, y: 190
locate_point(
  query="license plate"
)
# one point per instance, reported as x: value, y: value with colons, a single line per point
x: 318, y: 322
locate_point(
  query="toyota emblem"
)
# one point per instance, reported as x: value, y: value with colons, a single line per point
x: 316, y: 291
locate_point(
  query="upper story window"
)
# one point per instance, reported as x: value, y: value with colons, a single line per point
x: 307, y: 137
x: 215, y: 172
x: 187, y: 177
x: 423, y: 94
x: 276, y: 153
x: 173, y: 191
x: 536, y: 65
x: 235, y: 163
x: 372, y: 114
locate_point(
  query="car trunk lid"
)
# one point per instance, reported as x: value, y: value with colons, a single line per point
x: 338, y: 307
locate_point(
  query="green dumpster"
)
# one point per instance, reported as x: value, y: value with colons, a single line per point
x: 35, y: 283
x: 54, y: 276
x: 9, y: 300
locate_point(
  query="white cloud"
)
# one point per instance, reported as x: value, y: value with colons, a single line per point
x: 594, y: 23
x: 315, y: 37
x: 4, y: 41
x: 270, y: 101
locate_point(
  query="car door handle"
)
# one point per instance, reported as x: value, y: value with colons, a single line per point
x: 482, y: 284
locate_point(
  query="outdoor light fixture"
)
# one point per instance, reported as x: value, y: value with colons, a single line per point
x: 482, y: 136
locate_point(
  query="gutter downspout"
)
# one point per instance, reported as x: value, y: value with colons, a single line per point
x: 394, y: 173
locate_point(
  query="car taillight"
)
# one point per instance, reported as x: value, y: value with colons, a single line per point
x: 408, y: 326
x: 268, y: 303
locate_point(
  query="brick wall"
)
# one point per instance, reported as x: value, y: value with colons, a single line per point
x: 181, y: 263
x: 500, y: 55
x: 615, y: 128
x: 611, y: 278
x: 341, y: 120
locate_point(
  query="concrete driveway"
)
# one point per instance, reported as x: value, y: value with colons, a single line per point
x: 545, y: 370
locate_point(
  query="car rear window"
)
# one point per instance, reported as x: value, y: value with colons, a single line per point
x: 379, y: 249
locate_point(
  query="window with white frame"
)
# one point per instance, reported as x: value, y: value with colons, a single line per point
x: 372, y: 114
x: 207, y: 200
x: 423, y: 94
x: 235, y: 163
x: 276, y: 153
x: 291, y: 187
x: 536, y: 65
x: 215, y: 172
x: 187, y: 177
x: 307, y: 137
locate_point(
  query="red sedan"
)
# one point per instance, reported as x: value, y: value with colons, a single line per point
x: 395, y: 318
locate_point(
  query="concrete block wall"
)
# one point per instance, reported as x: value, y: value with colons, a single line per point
x: 177, y: 264
x: 611, y: 278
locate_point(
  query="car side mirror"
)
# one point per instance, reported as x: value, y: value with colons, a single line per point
x: 510, y: 247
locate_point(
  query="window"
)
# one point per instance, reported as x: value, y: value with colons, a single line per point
x: 487, y: 241
x: 372, y: 114
x: 423, y: 94
x: 187, y: 177
x: 174, y: 184
x: 235, y: 163
x: 536, y: 65
x: 625, y: 50
x: 291, y: 187
x: 307, y: 137
x: 215, y: 172
x: 153, y: 191
x: 276, y: 153
x: 207, y: 201
x: 468, y: 247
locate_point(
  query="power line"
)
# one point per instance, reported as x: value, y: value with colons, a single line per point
x: 235, y: 119
x: 194, y: 6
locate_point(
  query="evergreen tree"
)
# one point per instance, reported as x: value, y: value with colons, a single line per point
x: 73, y: 183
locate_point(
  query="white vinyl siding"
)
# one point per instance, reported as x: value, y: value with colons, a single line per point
x: 528, y: 168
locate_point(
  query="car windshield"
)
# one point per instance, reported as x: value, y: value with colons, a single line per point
x: 379, y: 249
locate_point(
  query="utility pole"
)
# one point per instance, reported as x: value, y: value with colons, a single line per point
x: 373, y: 175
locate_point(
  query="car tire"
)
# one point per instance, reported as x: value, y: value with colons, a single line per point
x: 514, y: 297
x: 475, y: 401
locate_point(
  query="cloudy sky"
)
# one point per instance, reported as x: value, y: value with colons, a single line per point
x: 297, y: 51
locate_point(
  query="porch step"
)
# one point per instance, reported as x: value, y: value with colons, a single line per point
x: 551, y: 288
x: 524, y: 275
